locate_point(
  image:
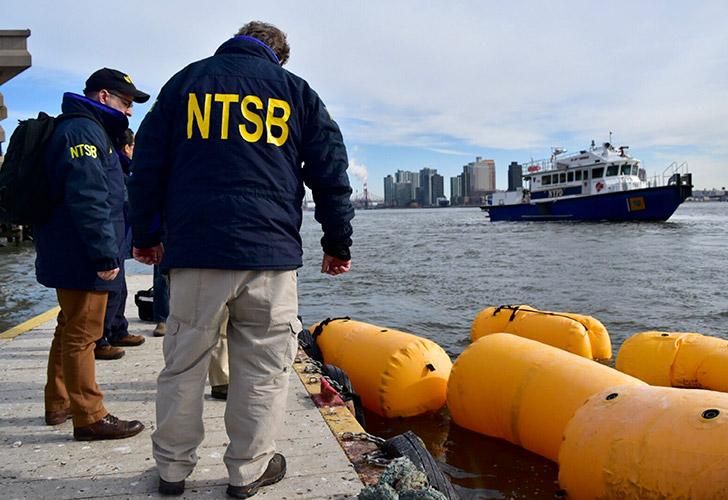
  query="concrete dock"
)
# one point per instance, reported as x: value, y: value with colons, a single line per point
x: 39, y: 461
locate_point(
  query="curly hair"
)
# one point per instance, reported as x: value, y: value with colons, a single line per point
x: 269, y: 35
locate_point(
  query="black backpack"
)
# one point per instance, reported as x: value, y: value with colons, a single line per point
x: 25, y: 196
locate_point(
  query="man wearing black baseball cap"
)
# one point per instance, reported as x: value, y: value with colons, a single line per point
x: 109, y: 84
x: 80, y: 248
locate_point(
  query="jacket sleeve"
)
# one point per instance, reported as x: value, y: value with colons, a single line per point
x: 149, y: 169
x: 86, y: 195
x: 324, y: 172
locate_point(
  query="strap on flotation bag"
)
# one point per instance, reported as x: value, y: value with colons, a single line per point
x: 515, y: 310
x: 307, y: 340
x: 320, y: 327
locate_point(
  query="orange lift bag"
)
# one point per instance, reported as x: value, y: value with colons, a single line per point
x: 397, y: 374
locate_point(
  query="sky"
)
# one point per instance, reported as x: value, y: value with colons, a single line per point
x: 417, y: 84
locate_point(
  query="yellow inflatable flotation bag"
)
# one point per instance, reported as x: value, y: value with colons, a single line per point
x: 576, y: 333
x: 676, y: 360
x: 640, y: 442
x: 524, y: 391
x: 397, y: 374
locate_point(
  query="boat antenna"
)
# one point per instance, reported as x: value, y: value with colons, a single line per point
x: 610, y: 137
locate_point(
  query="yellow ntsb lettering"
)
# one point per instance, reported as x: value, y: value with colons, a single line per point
x: 83, y: 150
x: 226, y: 100
x: 195, y: 114
x: 252, y: 117
x: 252, y: 113
x: 280, y: 122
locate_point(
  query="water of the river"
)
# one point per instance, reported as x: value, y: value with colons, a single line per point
x: 430, y: 271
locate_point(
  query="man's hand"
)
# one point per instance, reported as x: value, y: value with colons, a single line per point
x: 149, y: 256
x: 333, y: 266
x: 108, y: 275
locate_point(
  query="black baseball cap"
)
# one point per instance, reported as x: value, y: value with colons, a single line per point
x: 112, y: 79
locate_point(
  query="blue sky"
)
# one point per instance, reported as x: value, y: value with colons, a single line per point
x: 417, y: 84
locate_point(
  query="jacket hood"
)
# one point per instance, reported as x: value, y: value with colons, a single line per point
x: 114, y: 122
x: 248, y: 45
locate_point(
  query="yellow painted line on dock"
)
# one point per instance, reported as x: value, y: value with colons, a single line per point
x: 30, y: 324
x: 338, y: 418
x: 341, y: 421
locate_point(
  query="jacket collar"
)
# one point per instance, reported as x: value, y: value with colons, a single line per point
x: 248, y: 45
x: 114, y: 122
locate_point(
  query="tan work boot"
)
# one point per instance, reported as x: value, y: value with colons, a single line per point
x: 108, y: 352
x: 273, y: 473
x: 160, y: 330
x: 129, y: 341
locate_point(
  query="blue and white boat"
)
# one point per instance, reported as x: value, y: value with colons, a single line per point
x: 602, y: 183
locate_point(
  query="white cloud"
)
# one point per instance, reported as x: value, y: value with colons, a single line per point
x: 442, y: 76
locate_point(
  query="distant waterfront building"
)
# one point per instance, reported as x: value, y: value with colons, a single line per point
x: 456, y: 190
x: 438, y: 189
x: 425, y: 188
x: 483, y: 180
x: 389, y: 192
x: 431, y: 187
x: 404, y: 194
x: 515, y: 176
x: 401, y: 190
x: 403, y: 176
x: 474, y: 184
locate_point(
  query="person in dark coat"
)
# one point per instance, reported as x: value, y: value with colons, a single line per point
x: 222, y: 157
x: 80, y: 248
x: 116, y: 327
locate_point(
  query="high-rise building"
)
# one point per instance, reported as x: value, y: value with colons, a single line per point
x: 456, y: 190
x: 389, y: 193
x: 406, y: 176
x: 483, y: 177
x: 438, y: 188
x: 475, y: 183
x: 425, y: 195
x: 515, y: 176
x: 404, y: 194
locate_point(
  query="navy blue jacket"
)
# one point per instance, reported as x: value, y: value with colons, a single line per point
x: 85, y: 232
x: 222, y: 158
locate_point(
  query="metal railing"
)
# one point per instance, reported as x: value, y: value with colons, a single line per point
x: 663, y: 179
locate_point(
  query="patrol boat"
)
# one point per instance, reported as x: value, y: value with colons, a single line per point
x: 602, y: 183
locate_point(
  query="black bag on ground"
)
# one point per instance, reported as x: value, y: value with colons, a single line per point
x: 24, y: 187
x: 144, y: 300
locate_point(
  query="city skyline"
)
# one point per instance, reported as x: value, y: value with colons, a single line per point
x: 432, y: 86
x: 426, y: 187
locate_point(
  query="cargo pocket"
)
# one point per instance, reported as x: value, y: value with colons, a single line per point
x: 294, y: 327
x: 170, y: 338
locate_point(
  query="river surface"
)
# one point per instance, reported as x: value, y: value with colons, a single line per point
x: 430, y: 271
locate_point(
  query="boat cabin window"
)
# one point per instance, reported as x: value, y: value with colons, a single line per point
x: 577, y: 175
x: 612, y: 170
x: 598, y: 173
x: 570, y: 176
x: 635, y: 169
x: 626, y: 169
x: 586, y: 174
x: 562, y: 177
x: 545, y: 180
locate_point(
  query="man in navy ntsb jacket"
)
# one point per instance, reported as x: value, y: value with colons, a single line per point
x: 221, y: 161
x: 79, y: 250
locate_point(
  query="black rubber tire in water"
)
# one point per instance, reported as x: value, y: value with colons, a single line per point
x: 411, y: 446
x: 308, y: 344
x: 349, y: 394
x: 339, y: 376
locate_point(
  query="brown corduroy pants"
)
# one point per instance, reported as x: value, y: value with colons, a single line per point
x: 71, y: 363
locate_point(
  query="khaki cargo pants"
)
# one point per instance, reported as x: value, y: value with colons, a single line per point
x: 262, y: 342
